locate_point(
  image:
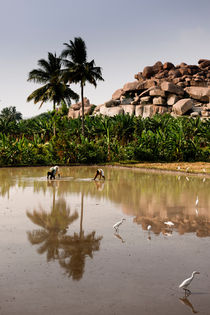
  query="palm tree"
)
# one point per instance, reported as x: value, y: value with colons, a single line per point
x: 53, y: 89
x: 10, y: 114
x: 77, y: 69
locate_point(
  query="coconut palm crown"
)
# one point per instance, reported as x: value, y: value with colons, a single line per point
x: 78, y: 69
x: 54, y: 89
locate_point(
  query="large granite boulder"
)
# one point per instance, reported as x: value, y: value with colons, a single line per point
x: 111, y: 111
x: 171, y: 88
x: 132, y: 86
x: 199, y: 93
x: 117, y: 94
x: 129, y: 109
x: 148, y: 72
x: 168, y: 66
x: 182, y: 106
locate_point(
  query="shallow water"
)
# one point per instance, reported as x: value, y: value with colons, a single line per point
x: 60, y: 254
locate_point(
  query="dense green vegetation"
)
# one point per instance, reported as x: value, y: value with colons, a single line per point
x: 121, y: 138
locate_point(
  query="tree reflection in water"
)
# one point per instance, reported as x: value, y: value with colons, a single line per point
x: 76, y: 248
x: 54, y: 227
x: 70, y: 251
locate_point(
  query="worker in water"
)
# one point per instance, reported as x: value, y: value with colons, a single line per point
x: 100, y: 173
x: 52, y: 172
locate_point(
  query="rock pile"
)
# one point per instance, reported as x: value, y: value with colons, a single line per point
x: 163, y: 88
x: 75, y: 110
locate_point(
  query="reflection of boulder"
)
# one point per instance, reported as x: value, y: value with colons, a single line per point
x: 184, y: 224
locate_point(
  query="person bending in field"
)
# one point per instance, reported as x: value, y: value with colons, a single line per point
x: 52, y: 172
x: 99, y: 173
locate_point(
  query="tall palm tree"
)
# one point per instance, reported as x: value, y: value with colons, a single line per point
x: 53, y: 89
x: 77, y: 69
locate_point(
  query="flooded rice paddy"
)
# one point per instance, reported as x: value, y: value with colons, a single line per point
x: 61, y: 255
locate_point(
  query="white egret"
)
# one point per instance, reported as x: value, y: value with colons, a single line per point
x: 149, y: 227
x: 187, y: 178
x: 184, y: 285
x: 204, y: 170
x: 169, y: 223
x: 116, y: 225
x: 204, y: 180
x: 187, y: 169
x: 178, y: 167
x: 196, y: 202
x: 196, y: 211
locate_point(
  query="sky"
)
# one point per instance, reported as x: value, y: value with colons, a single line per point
x: 121, y: 36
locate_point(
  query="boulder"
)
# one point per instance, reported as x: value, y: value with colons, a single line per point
x: 148, y: 111
x: 132, y: 86
x: 73, y: 113
x: 174, y: 73
x: 194, y: 114
x: 158, y: 66
x: 168, y: 66
x: 129, y: 109
x: 87, y: 110
x: 116, y: 95
x: 157, y: 92
x: 158, y: 100
x: 172, y: 99
x: 75, y: 106
x: 171, y: 88
x: 112, y: 103
x: 182, y: 106
x: 111, y: 111
x: 139, y: 110
x: 205, y: 113
x: 198, y: 92
x: 148, y: 72
x: 204, y: 64
x: 145, y: 100
x: 126, y: 100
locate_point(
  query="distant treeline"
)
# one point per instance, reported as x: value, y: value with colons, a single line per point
x: 52, y: 138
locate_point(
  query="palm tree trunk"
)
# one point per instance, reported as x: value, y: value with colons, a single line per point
x: 83, y: 112
x: 54, y: 118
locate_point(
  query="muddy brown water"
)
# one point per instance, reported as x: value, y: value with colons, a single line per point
x: 61, y: 255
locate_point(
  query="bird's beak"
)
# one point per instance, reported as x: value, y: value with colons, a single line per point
x: 198, y: 273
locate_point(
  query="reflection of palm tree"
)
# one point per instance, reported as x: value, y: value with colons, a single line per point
x: 54, y: 226
x: 76, y: 248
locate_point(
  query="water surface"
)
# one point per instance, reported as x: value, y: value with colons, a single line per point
x: 60, y: 254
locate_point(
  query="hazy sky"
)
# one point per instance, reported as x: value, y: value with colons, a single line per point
x: 122, y: 36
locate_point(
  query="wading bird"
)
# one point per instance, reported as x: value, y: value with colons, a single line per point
x: 116, y: 225
x: 178, y: 167
x: 169, y: 223
x: 184, y: 285
x: 149, y: 227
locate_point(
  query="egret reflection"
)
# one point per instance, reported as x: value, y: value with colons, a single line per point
x: 186, y: 301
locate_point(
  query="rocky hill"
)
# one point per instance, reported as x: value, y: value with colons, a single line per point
x: 161, y: 88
